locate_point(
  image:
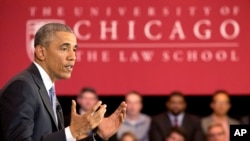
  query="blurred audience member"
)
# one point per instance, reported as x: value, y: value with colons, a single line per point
x: 176, y: 117
x: 128, y: 136
x: 135, y: 121
x: 176, y: 134
x: 216, y: 132
x: 245, y: 120
x: 220, y: 105
x: 86, y: 99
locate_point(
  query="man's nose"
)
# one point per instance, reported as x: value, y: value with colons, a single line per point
x: 72, y: 55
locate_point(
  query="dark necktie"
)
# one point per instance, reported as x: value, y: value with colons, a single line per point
x: 52, y: 94
x: 175, y: 121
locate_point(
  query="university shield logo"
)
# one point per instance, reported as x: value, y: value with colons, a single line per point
x: 31, y: 27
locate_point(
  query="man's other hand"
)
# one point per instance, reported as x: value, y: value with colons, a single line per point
x: 80, y: 125
x: 110, y: 125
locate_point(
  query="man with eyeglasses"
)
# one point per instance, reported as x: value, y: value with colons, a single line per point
x: 216, y: 132
x: 220, y: 105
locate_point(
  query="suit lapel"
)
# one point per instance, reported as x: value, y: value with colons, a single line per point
x: 167, y: 124
x: 42, y: 92
x: 45, y: 97
x: 186, y: 123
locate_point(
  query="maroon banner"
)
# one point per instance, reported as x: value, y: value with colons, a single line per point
x: 153, y: 46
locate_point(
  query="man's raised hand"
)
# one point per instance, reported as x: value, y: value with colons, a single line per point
x: 80, y: 125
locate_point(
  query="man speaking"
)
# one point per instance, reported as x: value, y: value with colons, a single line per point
x: 29, y: 109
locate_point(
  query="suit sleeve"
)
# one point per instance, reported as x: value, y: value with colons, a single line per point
x: 198, y: 132
x: 154, y: 132
x: 18, y: 105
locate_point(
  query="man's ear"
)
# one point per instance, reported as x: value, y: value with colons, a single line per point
x: 167, y: 104
x: 185, y: 105
x: 40, y: 52
x: 78, y: 99
x: 229, y: 106
x: 212, y: 105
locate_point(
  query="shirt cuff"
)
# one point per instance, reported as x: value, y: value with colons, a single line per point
x: 68, y: 134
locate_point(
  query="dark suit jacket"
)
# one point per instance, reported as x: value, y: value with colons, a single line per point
x: 25, y: 110
x: 161, y: 126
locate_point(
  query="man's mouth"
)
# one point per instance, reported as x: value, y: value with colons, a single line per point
x: 69, y: 67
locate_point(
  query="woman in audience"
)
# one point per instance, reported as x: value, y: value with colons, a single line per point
x: 128, y: 136
x: 176, y: 134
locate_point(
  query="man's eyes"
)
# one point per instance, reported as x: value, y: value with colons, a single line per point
x: 64, y: 48
x: 67, y: 48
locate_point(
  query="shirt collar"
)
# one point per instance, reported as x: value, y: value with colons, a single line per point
x: 215, y: 119
x: 45, y: 77
x: 180, y: 116
x: 139, y: 120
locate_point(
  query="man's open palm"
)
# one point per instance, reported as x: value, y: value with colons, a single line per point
x: 110, y: 125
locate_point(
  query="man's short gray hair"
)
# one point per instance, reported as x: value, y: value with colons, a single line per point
x: 44, y: 34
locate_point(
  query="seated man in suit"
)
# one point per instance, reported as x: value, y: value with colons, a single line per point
x: 29, y: 110
x: 216, y: 132
x: 175, y: 117
x: 220, y: 105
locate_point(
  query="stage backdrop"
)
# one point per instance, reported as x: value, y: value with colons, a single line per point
x: 153, y: 46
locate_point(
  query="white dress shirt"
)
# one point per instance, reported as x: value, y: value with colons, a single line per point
x: 179, y: 118
x: 48, y: 84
